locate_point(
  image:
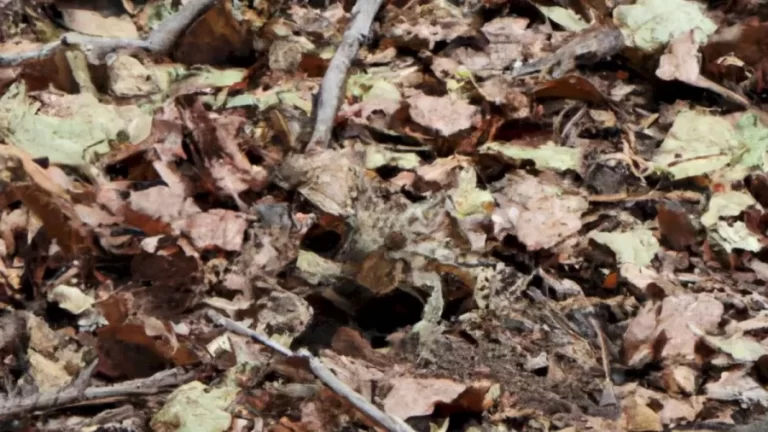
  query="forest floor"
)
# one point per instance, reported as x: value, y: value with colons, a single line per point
x: 505, y: 216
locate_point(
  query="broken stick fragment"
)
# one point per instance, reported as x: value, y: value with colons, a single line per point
x: 333, y: 87
x: 96, y: 48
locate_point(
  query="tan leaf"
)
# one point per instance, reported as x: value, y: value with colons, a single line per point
x: 681, y: 61
x: 445, y: 115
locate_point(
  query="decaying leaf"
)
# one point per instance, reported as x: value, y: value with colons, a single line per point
x: 548, y: 156
x: 539, y: 213
x: 650, y: 24
x: 195, y: 406
x: 445, y: 115
x: 662, y: 330
x: 68, y: 129
x: 512, y: 224
x: 637, y: 246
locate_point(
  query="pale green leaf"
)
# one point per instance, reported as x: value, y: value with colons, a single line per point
x: 650, y: 24
x: 71, y: 140
x: 637, y: 246
x: 697, y: 144
x: 195, y: 407
x: 548, y: 156
x: 376, y: 157
x: 736, y: 236
x: 726, y: 204
x: 468, y: 199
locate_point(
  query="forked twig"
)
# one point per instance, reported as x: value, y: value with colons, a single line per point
x: 75, y: 393
x: 388, y: 422
x: 334, y: 82
x: 159, y: 41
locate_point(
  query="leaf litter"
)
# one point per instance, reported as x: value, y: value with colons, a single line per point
x: 527, y: 217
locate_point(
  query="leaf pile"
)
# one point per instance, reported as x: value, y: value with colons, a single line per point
x: 531, y: 217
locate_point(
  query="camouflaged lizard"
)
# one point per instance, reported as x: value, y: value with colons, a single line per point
x: 587, y: 48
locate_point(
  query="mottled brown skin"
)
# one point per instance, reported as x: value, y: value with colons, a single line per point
x: 587, y: 48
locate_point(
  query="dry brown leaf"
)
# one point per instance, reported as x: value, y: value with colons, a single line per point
x: 413, y: 397
x: 445, y: 115
x: 538, y: 212
x: 93, y: 23
x: 664, y: 326
x: 681, y: 61
x: 677, y: 230
x: 216, y: 228
x: 737, y: 385
x: 161, y: 203
x: 46, y: 199
x: 214, y: 38
x: 218, y: 155
x: 330, y: 179
x: 571, y: 87
x: 129, y: 78
x: 638, y: 417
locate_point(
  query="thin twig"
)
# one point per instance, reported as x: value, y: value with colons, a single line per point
x: 145, y: 386
x: 388, y: 422
x: 96, y: 48
x: 683, y: 195
x: 334, y: 82
x: 80, y: 383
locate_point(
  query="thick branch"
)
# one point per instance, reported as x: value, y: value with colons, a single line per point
x: 159, y: 41
x: 334, y: 82
x: 388, y: 422
x: 145, y: 386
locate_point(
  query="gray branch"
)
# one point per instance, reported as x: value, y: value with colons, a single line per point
x: 388, y: 422
x: 159, y: 41
x: 333, y: 87
x: 72, y: 394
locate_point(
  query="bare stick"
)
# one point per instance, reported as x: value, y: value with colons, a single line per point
x: 159, y: 41
x: 334, y: 82
x: 145, y: 386
x: 388, y: 422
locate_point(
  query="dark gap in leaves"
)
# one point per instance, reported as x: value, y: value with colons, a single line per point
x: 59, y: 318
x: 454, y: 308
x: 144, y: 185
x: 513, y: 252
x: 392, y: 138
x: 612, y: 133
x: 321, y: 241
x: 115, y: 267
x: 644, y: 210
x: 490, y: 168
x: 520, y: 8
x: 404, y: 51
x: 124, y: 194
x: 387, y: 172
x: 389, y: 313
x: 761, y: 369
x: 670, y: 92
x: 126, y: 231
x: 44, y: 162
x: 412, y: 196
x: 379, y: 341
x: 522, y: 129
x: 119, y: 170
x: 428, y: 156
x: 326, y: 320
x: 458, y: 421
